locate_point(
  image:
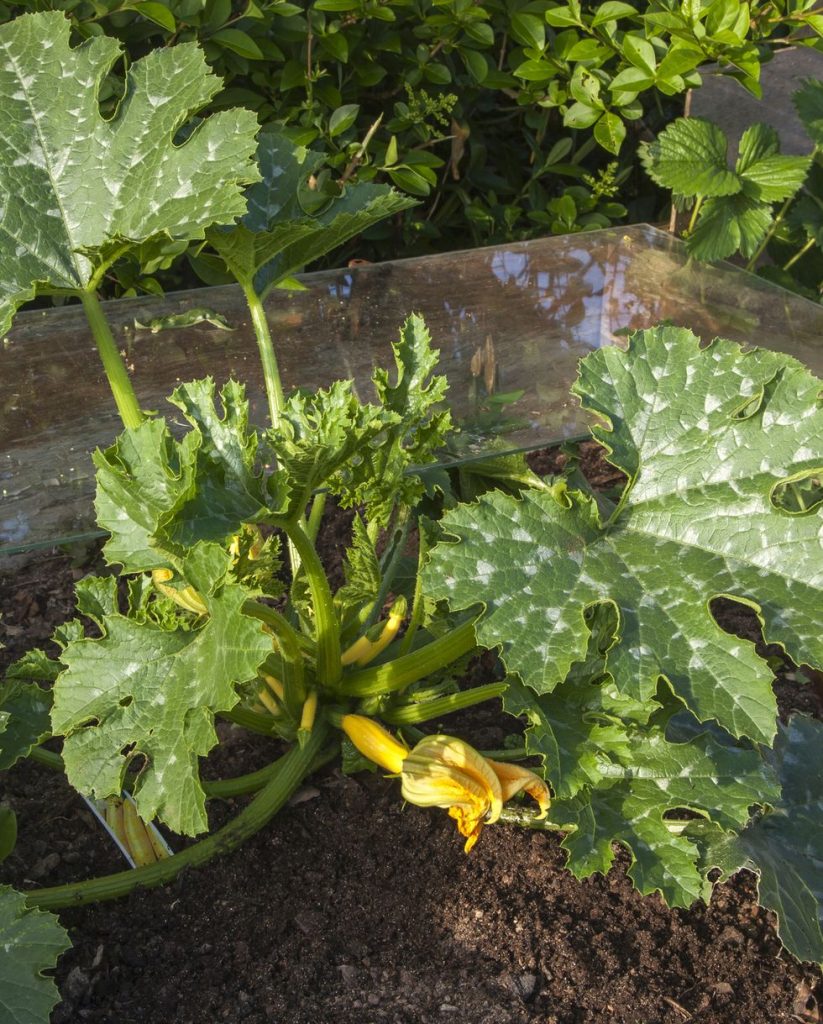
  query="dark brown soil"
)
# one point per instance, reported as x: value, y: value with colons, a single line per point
x: 349, y: 909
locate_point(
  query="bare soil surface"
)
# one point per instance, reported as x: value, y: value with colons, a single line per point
x: 350, y: 909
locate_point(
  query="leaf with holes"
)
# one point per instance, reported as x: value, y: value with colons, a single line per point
x: 784, y: 846
x: 150, y: 693
x: 710, y: 440
x: 77, y: 190
x: 32, y: 941
x: 643, y: 779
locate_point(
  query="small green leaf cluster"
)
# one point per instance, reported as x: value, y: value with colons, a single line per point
x: 458, y: 102
x: 734, y: 208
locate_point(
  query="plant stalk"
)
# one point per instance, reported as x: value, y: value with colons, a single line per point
x: 221, y: 789
x: 116, y: 372
x: 411, y: 714
x: 329, y: 668
x: 402, y: 672
x: 778, y: 220
x: 268, y: 359
x: 799, y: 254
x: 291, y: 770
x: 392, y: 564
x: 695, y: 211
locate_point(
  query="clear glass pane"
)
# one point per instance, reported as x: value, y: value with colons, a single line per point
x: 511, y: 323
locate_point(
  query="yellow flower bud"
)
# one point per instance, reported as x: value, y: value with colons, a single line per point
x: 375, y: 742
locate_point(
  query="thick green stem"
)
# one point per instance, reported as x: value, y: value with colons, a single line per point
x: 118, y: 375
x: 268, y: 359
x: 391, y: 565
x: 411, y: 714
x: 329, y: 668
x: 418, y: 606
x: 263, y: 725
x: 525, y: 817
x: 47, y: 757
x: 318, y: 507
x: 402, y: 672
x: 507, y: 754
x: 288, y: 640
x: 240, y: 785
x: 291, y: 770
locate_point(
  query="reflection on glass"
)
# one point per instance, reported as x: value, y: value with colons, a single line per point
x: 511, y: 323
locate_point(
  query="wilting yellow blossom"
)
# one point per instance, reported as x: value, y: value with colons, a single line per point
x: 444, y: 771
x: 513, y: 779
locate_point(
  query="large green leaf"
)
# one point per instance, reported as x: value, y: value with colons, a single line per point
x: 76, y: 189
x: 785, y: 846
x: 150, y: 693
x: 707, y: 438
x: 278, y: 235
x: 32, y: 940
x: 641, y: 781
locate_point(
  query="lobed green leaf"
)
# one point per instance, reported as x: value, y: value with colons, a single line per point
x: 78, y: 190
x: 32, y: 940
x: 705, y: 437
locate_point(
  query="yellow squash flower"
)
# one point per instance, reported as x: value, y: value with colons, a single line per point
x: 444, y: 771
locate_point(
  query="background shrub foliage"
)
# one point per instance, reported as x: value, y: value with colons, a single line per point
x: 506, y: 119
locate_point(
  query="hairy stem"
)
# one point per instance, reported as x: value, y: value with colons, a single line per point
x: 778, y: 220
x: 288, y: 640
x: 392, y: 564
x: 268, y: 359
x: 239, y: 785
x: 291, y: 770
x: 318, y: 507
x: 426, y: 710
x: 116, y: 372
x: 329, y: 668
x: 402, y: 672
x: 418, y: 607
x: 695, y: 211
x: 525, y: 817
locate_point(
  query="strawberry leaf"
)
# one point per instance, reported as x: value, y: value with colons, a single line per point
x: 690, y: 158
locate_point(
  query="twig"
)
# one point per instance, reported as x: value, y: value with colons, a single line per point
x: 357, y: 159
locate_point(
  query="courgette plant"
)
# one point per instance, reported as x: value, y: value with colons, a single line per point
x: 649, y: 725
